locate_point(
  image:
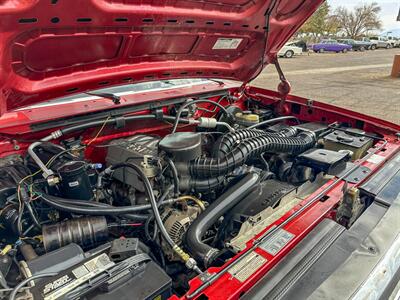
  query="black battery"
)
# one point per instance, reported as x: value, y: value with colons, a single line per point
x: 98, y: 277
x: 150, y: 282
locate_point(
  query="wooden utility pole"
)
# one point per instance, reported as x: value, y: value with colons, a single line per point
x: 396, y: 66
x: 396, y: 61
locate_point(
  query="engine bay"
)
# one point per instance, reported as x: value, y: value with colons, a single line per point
x: 113, y: 215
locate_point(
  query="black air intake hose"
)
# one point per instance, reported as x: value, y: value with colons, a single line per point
x: 230, y: 139
x: 252, y: 147
x: 206, y: 184
x: 207, y: 219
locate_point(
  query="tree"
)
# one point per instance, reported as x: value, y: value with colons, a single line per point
x: 321, y: 22
x: 361, y: 20
x: 316, y: 23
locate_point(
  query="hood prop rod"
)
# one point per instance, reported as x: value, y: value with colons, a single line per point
x: 267, y: 15
x: 284, y: 87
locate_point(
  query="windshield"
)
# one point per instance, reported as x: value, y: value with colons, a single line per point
x: 126, y: 89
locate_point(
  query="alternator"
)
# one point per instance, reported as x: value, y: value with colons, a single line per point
x: 176, y: 222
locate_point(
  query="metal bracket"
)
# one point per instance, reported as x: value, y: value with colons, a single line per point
x: 357, y: 175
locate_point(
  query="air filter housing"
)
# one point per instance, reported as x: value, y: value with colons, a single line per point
x: 181, y: 146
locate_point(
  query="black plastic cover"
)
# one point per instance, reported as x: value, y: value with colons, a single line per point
x: 123, y: 248
x: 57, y: 260
x: 182, y: 146
x: 131, y: 150
x: 349, y: 138
x: 384, y: 185
x: 75, y: 181
x: 149, y: 284
x: 327, y: 161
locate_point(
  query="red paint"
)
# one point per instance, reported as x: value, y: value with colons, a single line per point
x: 50, y: 49
x: 78, y: 45
x: 227, y: 287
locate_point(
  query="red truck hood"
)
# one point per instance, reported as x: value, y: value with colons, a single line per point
x: 49, y: 48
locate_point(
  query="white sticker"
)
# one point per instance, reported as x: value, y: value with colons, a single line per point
x: 277, y: 241
x: 247, y: 266
x: 376, y: 159
x: 73, y: 183
x: 226, y: 43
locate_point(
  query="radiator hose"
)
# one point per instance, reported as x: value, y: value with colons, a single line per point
x: 249, y: 148
x: 201, y: 251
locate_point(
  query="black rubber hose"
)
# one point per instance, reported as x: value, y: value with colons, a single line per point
x: 252, y: 147
x: 85, y: 203
x: 206, y: 185
x: 207, y: 219
x: 67, y: 206
x: 274, y: 120
x: 175, y: 176
x: 231, y: 139
x: 16, y: 289
x: 152, y: 200
x: 112, y: 121
x: 33, y: 215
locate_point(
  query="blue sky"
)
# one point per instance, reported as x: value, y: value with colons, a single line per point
x: 390, y: 9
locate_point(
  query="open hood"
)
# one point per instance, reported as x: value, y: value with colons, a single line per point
x: 50, y: 48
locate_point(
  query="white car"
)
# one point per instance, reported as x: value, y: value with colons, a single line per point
x: 394, y: 41
x: 289, y: 51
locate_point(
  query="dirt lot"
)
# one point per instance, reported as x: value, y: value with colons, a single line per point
x: 358, y: 81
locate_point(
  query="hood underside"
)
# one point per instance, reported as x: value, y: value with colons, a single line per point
x: 51, y: 48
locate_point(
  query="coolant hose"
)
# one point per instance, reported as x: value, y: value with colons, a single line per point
x: 249, y: 148
x: 207, y: 219
x: 231, y: 139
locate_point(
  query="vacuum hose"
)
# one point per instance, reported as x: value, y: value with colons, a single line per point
x: 249, y: 148
x: 207, y: 219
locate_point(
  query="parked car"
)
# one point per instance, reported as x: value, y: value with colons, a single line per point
x: 373, y: 44
x: 289, y: 51
x: 330, y: 45
x: 299, y: 43
x: 381, y: 42
x: 138, y: 161
x: 394, y: 41
x: 356, y: 45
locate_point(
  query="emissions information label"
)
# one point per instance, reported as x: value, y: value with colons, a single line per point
x: 62, y: 285
x: 247, y: 266
x: 226, y: 43
x: 276, y: 242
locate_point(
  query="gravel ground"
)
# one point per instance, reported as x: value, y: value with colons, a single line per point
x: 356, y: 80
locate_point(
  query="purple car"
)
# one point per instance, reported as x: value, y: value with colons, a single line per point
x: 330, y: 45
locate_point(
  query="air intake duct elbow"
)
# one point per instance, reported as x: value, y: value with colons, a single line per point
x: 201, y: 251
x: 250, y: 148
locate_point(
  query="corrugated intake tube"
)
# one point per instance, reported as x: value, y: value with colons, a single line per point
x: 250, y: 148
x: 231, y: 139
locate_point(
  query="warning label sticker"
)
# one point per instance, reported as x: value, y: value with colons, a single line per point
x: 226, y: 43
x: 247, y: 266
x: 277, y: 241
